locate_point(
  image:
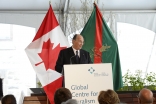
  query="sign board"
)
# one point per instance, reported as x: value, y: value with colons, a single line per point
x: 85, y: 81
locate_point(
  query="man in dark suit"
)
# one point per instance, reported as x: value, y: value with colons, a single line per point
x: 73, y: 55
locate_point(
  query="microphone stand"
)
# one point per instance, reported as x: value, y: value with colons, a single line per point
x: 71, y: 60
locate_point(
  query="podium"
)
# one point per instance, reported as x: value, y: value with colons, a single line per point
x: 36, y: 100
x: 37, y: 97
x: 85, y: 81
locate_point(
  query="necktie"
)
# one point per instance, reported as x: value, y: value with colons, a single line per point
x: 77, y: 57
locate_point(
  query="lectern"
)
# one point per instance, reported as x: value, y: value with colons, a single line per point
x: 37, y: 97
x: 85, y: 81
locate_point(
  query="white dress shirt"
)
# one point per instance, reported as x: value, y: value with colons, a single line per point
x: 75, y: 52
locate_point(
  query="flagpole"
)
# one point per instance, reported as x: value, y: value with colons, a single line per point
x: 95, y: 1
x: 48, y: 75
x: 49, y: 2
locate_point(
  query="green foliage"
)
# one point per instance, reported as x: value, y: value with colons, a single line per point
x: 39, y: 84
x: 136, y: 81
x: 151, y: 80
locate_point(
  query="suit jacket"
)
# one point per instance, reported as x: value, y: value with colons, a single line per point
x: 67, y: 56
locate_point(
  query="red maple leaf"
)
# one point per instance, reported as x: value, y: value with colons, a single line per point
x: 49, y: 55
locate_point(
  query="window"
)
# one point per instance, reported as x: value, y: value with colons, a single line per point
x: 15, y: 65
x: 137, y: 48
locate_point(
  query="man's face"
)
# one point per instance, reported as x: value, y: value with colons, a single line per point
x: 78, y: 42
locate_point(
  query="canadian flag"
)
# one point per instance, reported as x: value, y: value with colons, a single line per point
x: 43, y: 52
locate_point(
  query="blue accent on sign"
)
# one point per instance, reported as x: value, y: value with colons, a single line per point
x: 91, y: 70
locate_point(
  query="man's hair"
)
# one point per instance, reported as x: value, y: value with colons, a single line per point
x: 145, y: 96
x: 8, y: 99
x: 70, y: 101
x: 74, y: 38
x: 108, y: 97
x: 62, y: 95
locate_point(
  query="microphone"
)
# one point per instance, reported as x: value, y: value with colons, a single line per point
x: 71, y: 60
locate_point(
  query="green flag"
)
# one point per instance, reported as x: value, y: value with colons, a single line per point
x: 101, y: 44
